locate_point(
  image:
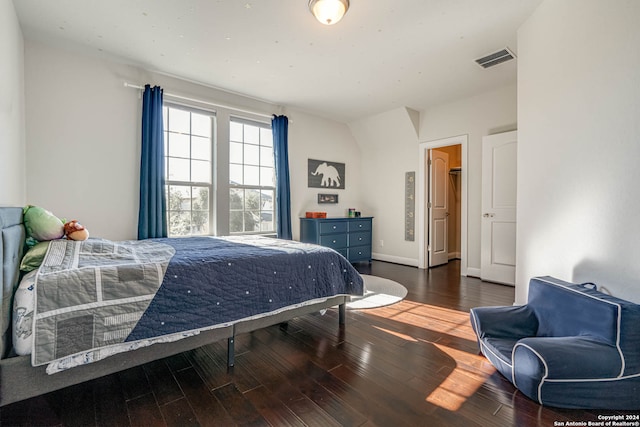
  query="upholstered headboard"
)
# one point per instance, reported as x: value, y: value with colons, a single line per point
x: 12, y: 238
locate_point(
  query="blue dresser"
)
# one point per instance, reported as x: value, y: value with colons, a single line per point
x: 349, y: 236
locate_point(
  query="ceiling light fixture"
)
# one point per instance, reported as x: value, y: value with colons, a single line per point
x: 328, y: 12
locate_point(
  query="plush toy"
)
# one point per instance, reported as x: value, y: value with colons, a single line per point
x: 41, y: 225
x: 75, y: 231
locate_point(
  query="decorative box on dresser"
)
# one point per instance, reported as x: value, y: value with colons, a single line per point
x: 349, y: 236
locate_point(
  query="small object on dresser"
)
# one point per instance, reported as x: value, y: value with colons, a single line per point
x: 316, y: 215
x: 352, y: 213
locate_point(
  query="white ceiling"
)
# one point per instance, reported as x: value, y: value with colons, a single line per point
x: 384, y: 54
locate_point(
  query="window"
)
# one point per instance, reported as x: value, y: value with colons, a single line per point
x: 188, y: 168
x: 251, y: 178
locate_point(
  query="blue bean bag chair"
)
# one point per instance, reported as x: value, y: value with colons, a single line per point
x: 570, y: 346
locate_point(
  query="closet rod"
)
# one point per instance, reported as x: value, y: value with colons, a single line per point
x: 200, y: 101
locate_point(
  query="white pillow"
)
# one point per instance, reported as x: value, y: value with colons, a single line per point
x: 23, y: 314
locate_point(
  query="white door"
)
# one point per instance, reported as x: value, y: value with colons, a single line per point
x: 498, y: 238
x: 438, y: 208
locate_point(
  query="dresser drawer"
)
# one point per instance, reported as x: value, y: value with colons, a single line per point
x: 350, y: 237
x: 360, y: 225
x: 327, y: 227
x: 359, y: 253
x: 335, y: 241
x: 360, y: 238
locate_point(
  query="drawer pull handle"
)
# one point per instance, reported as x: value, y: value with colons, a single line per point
x: 334, y: 227
x: 360, y: 225
x: 334, y: 241
x: 360, y: 253
x: 360, y: 239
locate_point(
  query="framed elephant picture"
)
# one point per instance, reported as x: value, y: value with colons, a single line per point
x: 324, y: 174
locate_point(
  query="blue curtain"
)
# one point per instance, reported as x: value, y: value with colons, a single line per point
x: 280, y: 129
x: 152, y: 216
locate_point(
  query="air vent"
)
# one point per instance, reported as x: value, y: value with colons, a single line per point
x: 496, y: 58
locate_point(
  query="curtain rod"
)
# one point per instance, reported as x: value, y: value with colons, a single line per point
x: 185, y: 98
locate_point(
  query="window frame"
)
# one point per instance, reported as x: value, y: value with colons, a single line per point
x: 273, y: 187
x: 210, y: 185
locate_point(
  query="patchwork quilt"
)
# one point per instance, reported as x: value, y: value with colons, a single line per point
x: 91, y: 293
x: 98, y: 297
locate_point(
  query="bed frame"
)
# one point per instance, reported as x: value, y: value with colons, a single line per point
x: 19, y: 380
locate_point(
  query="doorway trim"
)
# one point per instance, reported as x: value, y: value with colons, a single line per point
x: 423, y: 196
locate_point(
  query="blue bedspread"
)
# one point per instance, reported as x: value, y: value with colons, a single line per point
x: 213, y: 280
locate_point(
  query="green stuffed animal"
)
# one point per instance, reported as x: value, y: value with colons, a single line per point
x: 41, y: 225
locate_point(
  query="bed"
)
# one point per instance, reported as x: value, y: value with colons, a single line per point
x: 20, y: 379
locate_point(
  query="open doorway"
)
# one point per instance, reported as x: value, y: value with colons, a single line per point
x: 451, y: 193
x: 454, y: 178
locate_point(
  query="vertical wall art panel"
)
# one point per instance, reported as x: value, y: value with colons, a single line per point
x: 409, y: 206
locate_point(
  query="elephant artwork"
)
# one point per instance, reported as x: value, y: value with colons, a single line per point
x: 323, y: 174
x: 330, y: 175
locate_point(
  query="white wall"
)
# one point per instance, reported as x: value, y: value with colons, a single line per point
x: 83, y: 138
x: 388, y: 147
x: 579, y: 145
x: 311, y: 137
x: 12, y: 125
x: 478, y: 116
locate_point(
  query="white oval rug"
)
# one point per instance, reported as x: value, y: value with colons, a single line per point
x: 378, y: 293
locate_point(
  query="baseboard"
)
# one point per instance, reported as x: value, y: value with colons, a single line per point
x: 454, y: 255
x: 473, y: 272
x: 395, y: 259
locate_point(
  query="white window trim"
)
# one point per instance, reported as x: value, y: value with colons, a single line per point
x: 265, y: 125
x: 210, y: 185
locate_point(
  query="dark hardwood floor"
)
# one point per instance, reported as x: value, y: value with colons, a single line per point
x: 414, y: 363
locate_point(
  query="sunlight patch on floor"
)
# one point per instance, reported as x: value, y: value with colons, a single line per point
x: 471, y: 370
x: 425, y: 316
x: 397, y: 334
x: 465, y: 379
